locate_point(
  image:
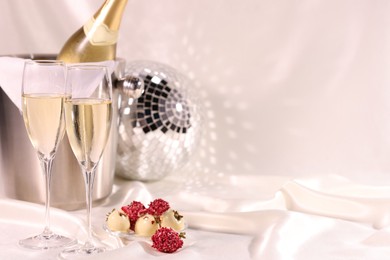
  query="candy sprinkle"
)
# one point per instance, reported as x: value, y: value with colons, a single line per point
x: 167, y: 240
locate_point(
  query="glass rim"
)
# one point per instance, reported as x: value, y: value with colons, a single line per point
x: 45, y: 62
x: 87, y: 67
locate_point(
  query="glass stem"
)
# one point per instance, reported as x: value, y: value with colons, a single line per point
x: 89, y: 177
x: 46, y: 166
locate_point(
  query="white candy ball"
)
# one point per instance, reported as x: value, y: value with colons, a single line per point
x: 146, y: 226
x: 118, y: 221
x: 170, y: 219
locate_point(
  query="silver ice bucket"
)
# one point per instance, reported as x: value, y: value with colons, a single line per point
x: 20, y: 172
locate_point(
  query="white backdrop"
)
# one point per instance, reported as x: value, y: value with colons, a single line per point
x: 296, y: 88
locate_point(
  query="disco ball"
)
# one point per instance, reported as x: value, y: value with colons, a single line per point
x: 159, y: 131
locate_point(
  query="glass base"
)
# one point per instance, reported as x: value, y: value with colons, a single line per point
x: 46, y: 241
x: 81, y: 250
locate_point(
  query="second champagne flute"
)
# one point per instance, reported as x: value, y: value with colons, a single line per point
x: 88, y: 114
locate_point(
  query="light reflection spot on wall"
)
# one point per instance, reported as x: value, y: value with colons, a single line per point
x: 242, y: 106
x: 184, y: 40
x: 232, y: 155
x: 206, y: 104
x: 230, y: 120
x: 214, y: 79
x: 247, y: 125
x: 211, y: 150
x: 212, y: 125
x: 222, y: 90
x: 191, y: 75
x: 213, y: 136
x: 210, y: 114
x: 250, y: 148
x: 213, y: 160
x: 232, y: 134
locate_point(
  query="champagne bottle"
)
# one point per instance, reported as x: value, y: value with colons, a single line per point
x: 96, y: 40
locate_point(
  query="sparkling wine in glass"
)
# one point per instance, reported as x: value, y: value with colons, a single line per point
x: 88, y: 114
x: 43, y: 95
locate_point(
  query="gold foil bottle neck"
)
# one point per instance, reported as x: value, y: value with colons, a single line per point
x: 111, y: 13
x: 102, y: 28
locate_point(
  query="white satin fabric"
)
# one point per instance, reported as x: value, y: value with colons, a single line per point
x: 298, y: 89
x: 328, y: 218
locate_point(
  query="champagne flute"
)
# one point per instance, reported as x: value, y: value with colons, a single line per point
x: 43, y: 95
x: 88, y: 114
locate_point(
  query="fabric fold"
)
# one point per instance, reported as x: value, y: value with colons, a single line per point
x: 373, y: 211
